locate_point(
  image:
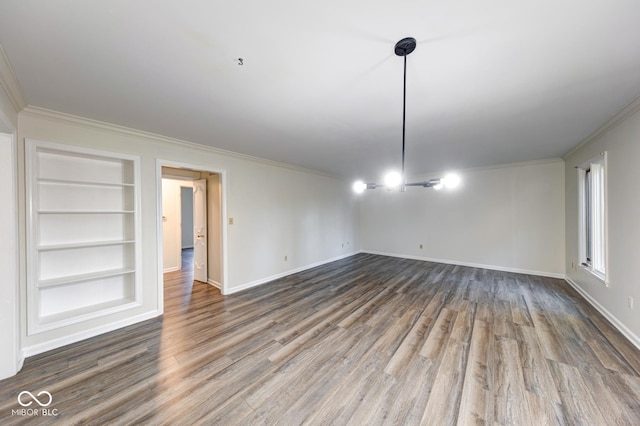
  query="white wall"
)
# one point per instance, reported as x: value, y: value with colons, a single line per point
x: 278, y: 210
x: 11, y: 98
x: 622, y: 143
x: 171, y: 245
x: 508, y: 217
x: 8, y: 115
x: 174, y: 235
x: 186, y: 215
x: 10, y: 357
x: 11, y: 101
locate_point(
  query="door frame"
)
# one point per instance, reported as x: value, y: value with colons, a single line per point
x: 223, y: 228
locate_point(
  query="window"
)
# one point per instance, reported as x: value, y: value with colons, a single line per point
x: 593, y: 216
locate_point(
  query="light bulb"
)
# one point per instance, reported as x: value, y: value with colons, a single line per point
x: 359, y: 187
x: 438, y: 186
x: 392, y: 180
x: 451, y: 181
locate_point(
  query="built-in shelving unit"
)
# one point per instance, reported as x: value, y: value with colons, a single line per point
x: 83, y: 234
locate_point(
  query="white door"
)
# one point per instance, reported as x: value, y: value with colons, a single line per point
x: 200, y: 230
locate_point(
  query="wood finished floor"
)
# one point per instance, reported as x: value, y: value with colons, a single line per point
x: 365, y: 340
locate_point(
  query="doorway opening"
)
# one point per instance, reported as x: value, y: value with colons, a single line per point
x: 192, y: 212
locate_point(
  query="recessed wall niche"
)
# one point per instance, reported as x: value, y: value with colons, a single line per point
x: 83, y: 234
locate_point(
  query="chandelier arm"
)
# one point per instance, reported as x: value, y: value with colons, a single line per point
x: 427, y: 183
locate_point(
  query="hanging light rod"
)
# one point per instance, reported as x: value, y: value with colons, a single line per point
x: 394, y: 179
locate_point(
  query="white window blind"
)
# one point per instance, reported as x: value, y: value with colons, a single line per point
x: 593, y: 216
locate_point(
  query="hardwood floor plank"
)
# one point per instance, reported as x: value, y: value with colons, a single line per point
x: 476, y: 402
x: 413, y: 340
x: 511, y: 404
x: 365, y: 308
x: 364, y: 340
x: 417, y: 386
x: 444, y: 401
x: 343, y: 404
x: 350, y: 368
x: 577, y: 399
x: 293, y: 373
x: 544, y: 412
x: 535, y: 368
x: 617, y: 410
x: 622, y: 345
x: 627, y: 388
x: 436, y: 342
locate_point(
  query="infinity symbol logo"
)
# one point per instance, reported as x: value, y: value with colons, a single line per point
x: 42, y: 404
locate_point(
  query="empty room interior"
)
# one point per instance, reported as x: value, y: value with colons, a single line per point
x: 345, y: 213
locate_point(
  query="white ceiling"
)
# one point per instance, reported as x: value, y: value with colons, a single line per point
x: 490, y: 82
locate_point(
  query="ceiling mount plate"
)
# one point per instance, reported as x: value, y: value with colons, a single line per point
x: 405, y: 46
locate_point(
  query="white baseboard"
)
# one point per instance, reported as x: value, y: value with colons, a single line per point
x: 21, y: 358
x: 214, y: 283
x: 284, y: 274
x: 86, y: 334
x: 9, y: 370
x: 172, y: 269
x: 472, y: 265
x: 631, y: 336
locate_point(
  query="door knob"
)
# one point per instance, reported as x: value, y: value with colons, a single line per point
x: 200, y: 236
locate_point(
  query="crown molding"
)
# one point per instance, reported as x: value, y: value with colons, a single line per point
x: 10, y: 84
x: 56, y: 116
x: 517, y: 164
x: 630, y: 109
x: 485, y: 168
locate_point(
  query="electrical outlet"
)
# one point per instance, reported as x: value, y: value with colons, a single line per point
x: 230, y: 221
x: 630, y: 302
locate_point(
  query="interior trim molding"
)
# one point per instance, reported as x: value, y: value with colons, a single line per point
x: 617, y: 324
x: 214, y: 283
x: 630, y: 109
x: 86, y: 334
x: 469, y: 264
x: 56, y: 116
x: 427, y: 175
x: 10, y: 83
x: 284, y: 274
x: 172, y: 269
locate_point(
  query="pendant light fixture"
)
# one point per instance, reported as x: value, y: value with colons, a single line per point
x: 394, y: 179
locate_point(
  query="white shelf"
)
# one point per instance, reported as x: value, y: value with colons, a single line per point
x: 88, y: 244
x: 88, y: 312
x: 84, y: 183
x: 71, y: 279
x: 83, y: 233
x: 85, y: 212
